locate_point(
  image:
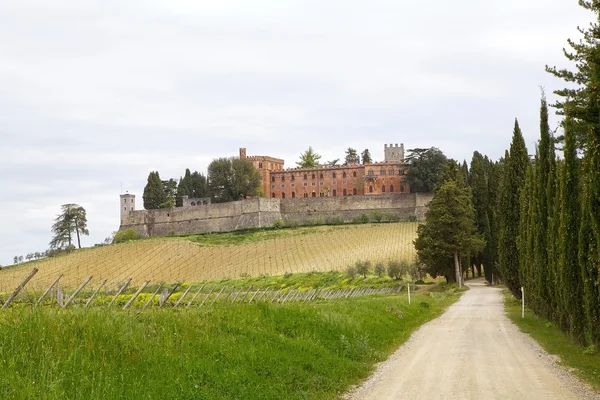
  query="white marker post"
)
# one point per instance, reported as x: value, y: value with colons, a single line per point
x: 522, y: 302
x: 408, y: 289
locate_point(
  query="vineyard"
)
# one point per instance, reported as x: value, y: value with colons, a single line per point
x: 211, y: 257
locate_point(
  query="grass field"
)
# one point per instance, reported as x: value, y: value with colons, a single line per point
x: 220, y: 256
x: 258, y: 351
x: 586, y: 362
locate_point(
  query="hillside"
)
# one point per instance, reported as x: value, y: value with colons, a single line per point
x: 219, y: 256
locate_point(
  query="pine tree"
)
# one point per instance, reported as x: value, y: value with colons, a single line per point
x: 308, y: 159
x: 570, y: 271
x: 449, y: 231
x: 154, y: 192
x: 513, y: 180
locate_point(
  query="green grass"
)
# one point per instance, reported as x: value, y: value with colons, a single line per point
x: 555, y: 341
x: 262, y: 351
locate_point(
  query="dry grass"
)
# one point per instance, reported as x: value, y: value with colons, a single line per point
x: 179, y: 259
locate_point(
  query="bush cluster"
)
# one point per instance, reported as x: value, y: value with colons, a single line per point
x: 395, y: 269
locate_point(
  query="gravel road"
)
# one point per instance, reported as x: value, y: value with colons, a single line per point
x: 471, y: 352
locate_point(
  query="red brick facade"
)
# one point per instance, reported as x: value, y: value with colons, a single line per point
x: 349, y: 180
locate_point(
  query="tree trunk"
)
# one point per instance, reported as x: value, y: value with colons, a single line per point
x: 478, y: 266
x: 78, y: 238
x: 457, y: 269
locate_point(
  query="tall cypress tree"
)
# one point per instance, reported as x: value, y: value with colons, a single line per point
x: 480, y: 191
x: 513, y: 180
x: 494, y: 175
x: 589, y: 271
x: 570, y: 271
x: 541, y: 215
x: 525, y: 240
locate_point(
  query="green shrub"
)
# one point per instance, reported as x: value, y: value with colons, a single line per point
x: 396, y: 269
x: 377, y: 216
x: 278, y: 224
x: 412, y: 218
x: 362, y: 267
x: 125, y: 236
x: 291, y: 222
x: 334, y: 220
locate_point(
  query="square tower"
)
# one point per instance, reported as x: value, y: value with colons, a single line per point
x: 394, y: 153
x: 127, y: 205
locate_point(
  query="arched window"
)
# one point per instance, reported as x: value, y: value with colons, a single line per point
x: 293, y: 195
x: 125, y: 201
x: 344, y: 175
x: 391, y: 188
x: 272, y: 179
x: 283, y: 195
x: 382, y: 188
x: 334, y: 175
x: 193, y: 203
x: 355, y: 191
x: 334, y: 193
x: 370, y: 188
x: 370, y: 173
x: 401, y: 188
x: 321, y: 176
x: 354, y: 174
x: 259, y: 165
x: 125, y: 208
x: 345, y: 192
x: 273, y: 195
x: 282, y: 178
x: 131, y: 208
x: 391, y: 172
x: 382, y: 171
x: 293, y: 177
x: 305, y: 194
x: 314, y: 194
x: 313, y: 176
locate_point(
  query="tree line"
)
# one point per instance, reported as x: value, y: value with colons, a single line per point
x: 227, y: 179
x: 533, y: 221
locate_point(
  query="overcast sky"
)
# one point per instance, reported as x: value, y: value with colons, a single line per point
x: 95, y: 94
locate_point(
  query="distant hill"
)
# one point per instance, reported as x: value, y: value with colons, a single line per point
x: 219, y: 256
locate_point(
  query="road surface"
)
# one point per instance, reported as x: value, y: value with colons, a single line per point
x: 471, y: 352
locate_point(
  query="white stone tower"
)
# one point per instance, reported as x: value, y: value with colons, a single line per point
x: 394, y: 152
x: 127, y: 205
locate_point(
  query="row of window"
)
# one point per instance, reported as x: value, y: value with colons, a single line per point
x: 314, y: 176
x: 345, y: 192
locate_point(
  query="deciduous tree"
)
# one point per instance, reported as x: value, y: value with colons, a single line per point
x: 425, y: 168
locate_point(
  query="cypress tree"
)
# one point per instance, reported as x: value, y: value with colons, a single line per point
x: 513, y: 179
x: 526, y: 236
x: 154, y: 192
x: 494, y: 174
x: 570, y: 271
x: 589, y: 272
x: 541, y: 215
x: 480, y: 191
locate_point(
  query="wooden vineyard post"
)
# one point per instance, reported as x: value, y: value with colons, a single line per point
x: 196, y: 295
x: 19, y: 288
x: 230, y: 293
x: 236, y: 296
x: 48, y: 290
x: 262, y: 295
x: 408, y: 290
x: 215, y: 300
x: 153, y: 295
x: 119, y: 292
x: 254, y: 295
x: 170, y: 294
x: 244, y: 298
x: 76, y: 292
x: 95, y: 293
x: 131, y: 300
x: 208, y: 295
x: 182, y: 296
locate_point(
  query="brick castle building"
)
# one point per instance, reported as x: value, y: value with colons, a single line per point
x: 353, y: 179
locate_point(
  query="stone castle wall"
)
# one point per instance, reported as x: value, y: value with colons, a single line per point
x: 262, y: 212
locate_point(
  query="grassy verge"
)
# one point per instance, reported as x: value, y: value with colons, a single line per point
x: 292, y: 351
x: 586, y: 362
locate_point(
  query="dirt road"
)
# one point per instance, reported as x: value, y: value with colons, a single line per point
x: 471, y: 352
